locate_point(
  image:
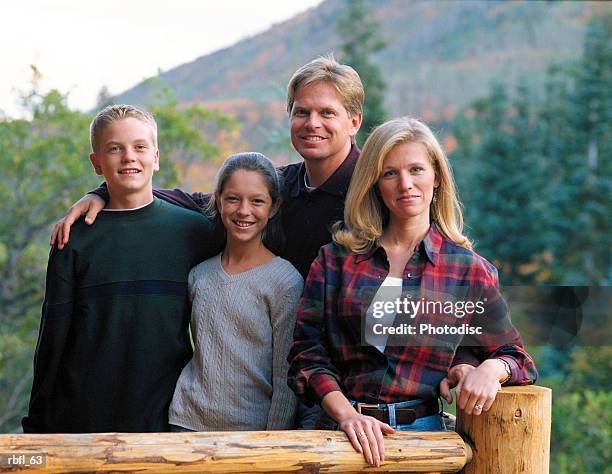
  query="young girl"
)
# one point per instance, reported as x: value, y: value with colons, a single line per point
x: 243, y: 313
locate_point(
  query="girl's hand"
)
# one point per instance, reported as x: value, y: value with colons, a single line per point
x: 366, y: 435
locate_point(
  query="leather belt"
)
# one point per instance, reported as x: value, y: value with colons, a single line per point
x: 403, y: 416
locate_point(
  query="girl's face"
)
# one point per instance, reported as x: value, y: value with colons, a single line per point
x: 407, y: 182
x: 245, y: 206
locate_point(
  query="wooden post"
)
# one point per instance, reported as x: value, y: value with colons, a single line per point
x: 513, y: 436
x: 231, y: 452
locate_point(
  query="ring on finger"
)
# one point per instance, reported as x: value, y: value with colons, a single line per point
x: 361, y: 433
x: 478, y: 407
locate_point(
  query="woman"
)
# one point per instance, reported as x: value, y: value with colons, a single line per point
x: 402, y: 241
x: 243, y: 312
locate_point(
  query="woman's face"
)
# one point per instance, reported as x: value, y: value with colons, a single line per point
x: 407, y: 182
x: 245, y: 206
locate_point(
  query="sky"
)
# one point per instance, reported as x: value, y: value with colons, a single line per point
x: 79, y: 46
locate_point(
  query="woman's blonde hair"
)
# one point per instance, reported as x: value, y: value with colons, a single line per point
x: 365, y: 214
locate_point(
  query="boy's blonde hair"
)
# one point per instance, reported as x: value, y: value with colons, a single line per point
x: 116, y: 112
x: 326, y: 69
x: 365, y: 213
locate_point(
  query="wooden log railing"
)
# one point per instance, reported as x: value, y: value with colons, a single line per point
x: 512, y: 437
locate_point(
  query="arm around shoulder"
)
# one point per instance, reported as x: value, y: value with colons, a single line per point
x: 196, y: 201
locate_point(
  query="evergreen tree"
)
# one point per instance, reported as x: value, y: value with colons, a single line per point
x: 578, y: 118
x: 501, y: 178
x: 105, y: 98
x: 536, y: 175
x: 360, y: 38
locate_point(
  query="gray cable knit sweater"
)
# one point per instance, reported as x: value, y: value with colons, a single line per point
x: 242, y: 326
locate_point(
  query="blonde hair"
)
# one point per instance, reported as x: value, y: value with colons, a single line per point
x: 326, y: 69
x: 114, y: 113
x: 365, y: 214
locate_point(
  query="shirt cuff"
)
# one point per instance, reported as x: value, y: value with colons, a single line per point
x: 464, y: 357
x: 515, y: 370
x: 322, y: 384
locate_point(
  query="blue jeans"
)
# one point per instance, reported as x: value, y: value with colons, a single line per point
x: 427, y: 423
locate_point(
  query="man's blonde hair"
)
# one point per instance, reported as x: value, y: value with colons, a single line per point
x: 365, y: 213
x: 112, y: 114
x: 326, y: 69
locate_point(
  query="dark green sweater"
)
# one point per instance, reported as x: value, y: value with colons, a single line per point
x: 114, y: 331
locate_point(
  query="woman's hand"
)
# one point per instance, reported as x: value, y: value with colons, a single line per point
x: 365, y: 433
x: 454, y: 379
x: 476, y: 387
x: 89, y: 205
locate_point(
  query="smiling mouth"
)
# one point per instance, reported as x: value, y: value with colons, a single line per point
x: 244, y: 224
x: 408, y: 198
x: 313, y: 139
x: 130, y: 171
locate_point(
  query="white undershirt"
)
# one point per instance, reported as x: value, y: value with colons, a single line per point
x: 390, y: 290
x: 132, y: 209
x: 308, y: 187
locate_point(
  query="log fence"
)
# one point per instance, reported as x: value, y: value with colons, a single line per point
x: 512, y: 437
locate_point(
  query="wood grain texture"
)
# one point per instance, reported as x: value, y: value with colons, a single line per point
x: 513, y: 436
x: 235, y: 452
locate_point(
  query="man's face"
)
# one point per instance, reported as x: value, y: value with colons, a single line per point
x: 126, y: 156
x: 321, y: 127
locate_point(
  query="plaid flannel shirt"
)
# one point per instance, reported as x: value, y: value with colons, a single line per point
x: 328, y: 351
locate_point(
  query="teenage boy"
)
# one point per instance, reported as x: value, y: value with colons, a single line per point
x: 325, y: 103
x: 114, y: 331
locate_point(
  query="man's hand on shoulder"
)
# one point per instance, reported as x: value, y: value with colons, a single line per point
x: 89, y: 206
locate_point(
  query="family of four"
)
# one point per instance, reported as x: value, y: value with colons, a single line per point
x: 276, y: 274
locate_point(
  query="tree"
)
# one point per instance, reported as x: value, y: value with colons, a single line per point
x: 184, y: 133
x: 501, y: 176
x: 360, y: 40
x: 44, y: 169
x: 104, y: 98
x: 558, y: 151
x: 578, y: 121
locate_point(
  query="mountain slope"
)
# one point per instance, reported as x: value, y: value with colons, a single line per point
x: 440, y: 55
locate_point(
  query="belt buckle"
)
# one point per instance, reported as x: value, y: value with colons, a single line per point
x: 360, y: 406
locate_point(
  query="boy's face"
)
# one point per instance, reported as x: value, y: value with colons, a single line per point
x: 127, y: 157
